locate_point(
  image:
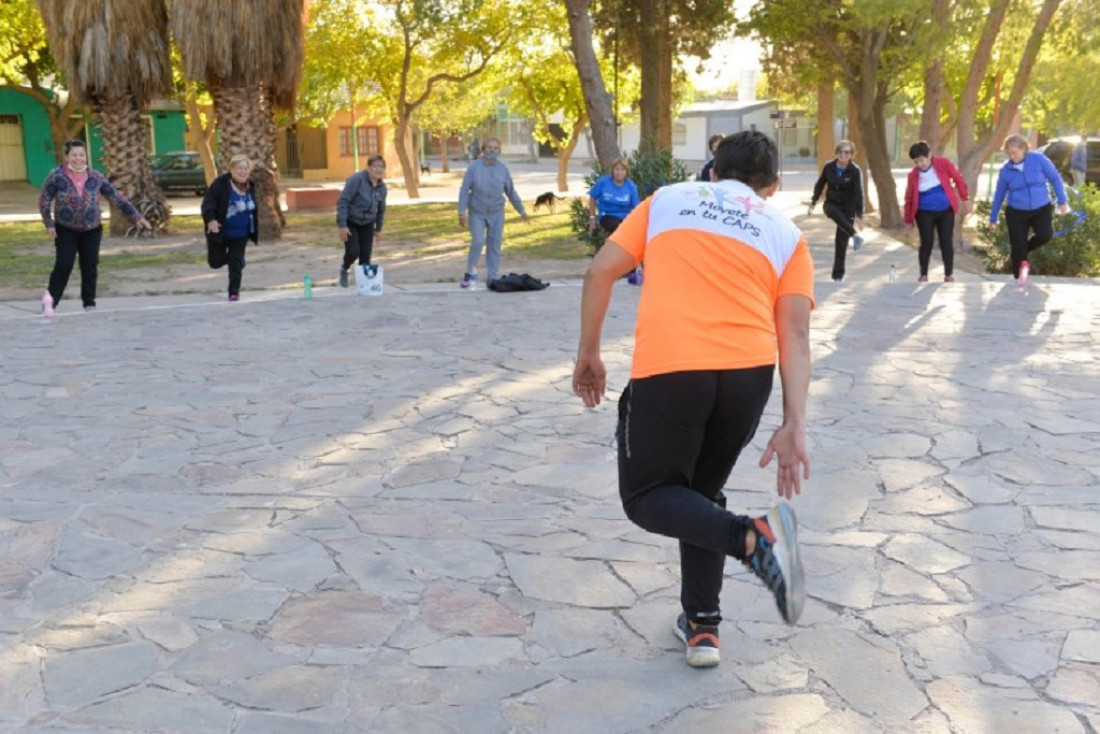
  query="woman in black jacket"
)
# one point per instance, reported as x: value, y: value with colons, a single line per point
x: 229, y: 215
x: 843, y: 202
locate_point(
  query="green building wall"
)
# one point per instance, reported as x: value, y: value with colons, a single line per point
x: 169, y: 128
x: 37, y: 145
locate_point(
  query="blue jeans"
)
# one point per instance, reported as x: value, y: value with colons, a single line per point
x: 486, y: 231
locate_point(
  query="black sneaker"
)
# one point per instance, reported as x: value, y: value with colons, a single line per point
x: 701, y: 642
x: 343, y: 277
x: 777, y: 562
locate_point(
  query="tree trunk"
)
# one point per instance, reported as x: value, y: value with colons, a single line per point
x: 444, y: 164
x: 247, y: 125
x: 648, y: 31
x: 826, y: 122
x: 934, y: 89
x: 934, y: 83
x: 199, y: 137
x: 126, y: 155
x: 974, y: 148
x: 664, y: 78
x: 566, y: 152
x: 855, y: 134
x: 869, y: 98
x: 596, y: 99
x: 401, y: 139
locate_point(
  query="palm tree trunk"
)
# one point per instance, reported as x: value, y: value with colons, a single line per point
x: 246, y: 121
x: 126, y: 154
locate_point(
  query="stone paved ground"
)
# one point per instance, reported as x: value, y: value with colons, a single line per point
x: 390, y: 515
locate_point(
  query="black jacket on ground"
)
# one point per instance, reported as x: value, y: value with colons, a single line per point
x: 845, y: 189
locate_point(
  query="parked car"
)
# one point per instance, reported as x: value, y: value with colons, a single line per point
x: 179, y: 171
x: 1060, y: 150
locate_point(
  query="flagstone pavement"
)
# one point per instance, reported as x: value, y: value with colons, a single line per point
x: 391, y: 515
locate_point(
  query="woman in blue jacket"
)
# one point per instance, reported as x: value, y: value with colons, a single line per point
x: 1025, y: 179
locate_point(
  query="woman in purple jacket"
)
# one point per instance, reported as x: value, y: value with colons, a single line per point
x: 72, y: 191
x: 1024, y: 180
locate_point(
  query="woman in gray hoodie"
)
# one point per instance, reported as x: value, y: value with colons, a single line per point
x: 360, y: 211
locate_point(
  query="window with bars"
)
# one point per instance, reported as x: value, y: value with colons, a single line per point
x: 368, y: 138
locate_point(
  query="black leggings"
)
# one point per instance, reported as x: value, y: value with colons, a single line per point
x: 69, y: 243
x: 943, y: 224
x: 679, y: 436
x: 1019, y: 221
x: 609, y: 223
x: 230, y: 251
x: 359, y: 244
x: 845, y: 218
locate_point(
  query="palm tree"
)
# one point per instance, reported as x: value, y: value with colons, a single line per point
x: 249, y: 53
x: 115, y: 58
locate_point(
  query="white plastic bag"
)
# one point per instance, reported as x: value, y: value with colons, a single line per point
x: 368, y: 280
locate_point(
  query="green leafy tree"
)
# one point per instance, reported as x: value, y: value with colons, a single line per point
x: 418, y: 46
x: 653, y: 35
x: 27, y: 65
x: 457, y: 110
x: 338, y: 73
x: 547, y: 87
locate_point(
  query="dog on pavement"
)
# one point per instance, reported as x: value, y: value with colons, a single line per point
x: 426, y: 167
x: 548, y: 200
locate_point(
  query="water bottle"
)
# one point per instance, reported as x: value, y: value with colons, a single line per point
x: 893, y: 273
x: 307, y: 285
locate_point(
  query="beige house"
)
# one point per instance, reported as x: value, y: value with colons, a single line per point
x: 327, y: 153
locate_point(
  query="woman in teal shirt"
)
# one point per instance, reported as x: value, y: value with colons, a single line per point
x: 613, y: 196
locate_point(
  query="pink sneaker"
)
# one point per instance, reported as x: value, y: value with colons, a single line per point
x: 47, y: 304
x: 233, y: 298
x: 1025, y: 274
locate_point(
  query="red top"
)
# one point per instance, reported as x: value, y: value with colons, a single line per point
x: 946, y: 172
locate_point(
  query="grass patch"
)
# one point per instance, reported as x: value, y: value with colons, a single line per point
x: 416, y: 230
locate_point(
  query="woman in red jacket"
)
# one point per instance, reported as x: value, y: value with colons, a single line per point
x: 933, y: 195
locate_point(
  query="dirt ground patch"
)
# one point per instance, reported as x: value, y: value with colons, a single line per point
x: 283, y: 264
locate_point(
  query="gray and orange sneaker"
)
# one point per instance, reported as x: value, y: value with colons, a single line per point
x: 777, y: 562
x: 700, y: 640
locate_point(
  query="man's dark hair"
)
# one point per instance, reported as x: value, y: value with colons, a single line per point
x: 749, y: 157
x: 919, y: 149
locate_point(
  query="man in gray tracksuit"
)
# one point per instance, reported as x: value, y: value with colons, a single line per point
x: 486, y: 183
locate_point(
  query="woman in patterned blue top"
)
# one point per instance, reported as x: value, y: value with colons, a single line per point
x: 229, y: 215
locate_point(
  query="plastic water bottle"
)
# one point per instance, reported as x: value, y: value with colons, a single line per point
x: 893, y: 273
x: 307, y: 285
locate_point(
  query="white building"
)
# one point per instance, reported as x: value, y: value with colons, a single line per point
x: 698, y: 121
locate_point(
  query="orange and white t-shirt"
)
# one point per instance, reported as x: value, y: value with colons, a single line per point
x: 717, y: 259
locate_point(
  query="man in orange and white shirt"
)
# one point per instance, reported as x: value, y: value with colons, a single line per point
x: 727, y: 295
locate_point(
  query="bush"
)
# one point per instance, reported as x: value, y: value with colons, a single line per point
x: 648, y: 171
x: 1074, y: 251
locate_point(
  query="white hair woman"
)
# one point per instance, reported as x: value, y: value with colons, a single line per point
x: 229, y: 216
